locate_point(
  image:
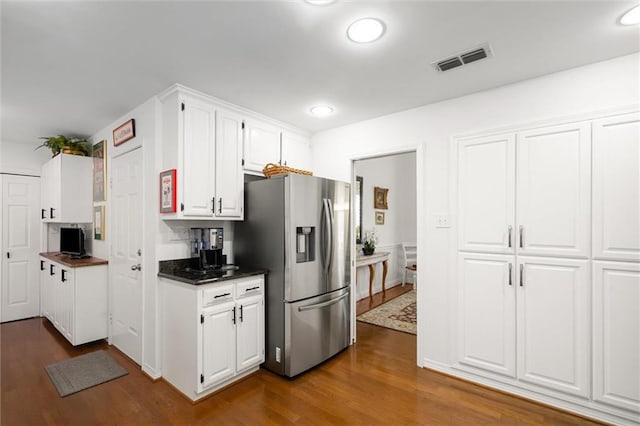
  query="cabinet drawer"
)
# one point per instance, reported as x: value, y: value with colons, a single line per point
x: 250, y: 287
x: 218, y: 294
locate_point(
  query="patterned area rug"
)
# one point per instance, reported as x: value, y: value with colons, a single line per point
x: 397, y: 314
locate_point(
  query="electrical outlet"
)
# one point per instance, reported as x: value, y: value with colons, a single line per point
x: 442, y: 220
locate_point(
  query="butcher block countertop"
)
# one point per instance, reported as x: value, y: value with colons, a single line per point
x: 66, y: 260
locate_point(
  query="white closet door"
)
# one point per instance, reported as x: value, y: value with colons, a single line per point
x: 486, y: 177
x: 616, y: 337
x: 553, y: 323
x: 20, y: 237
x: 554, y: 190
x: 486, y: 312
x: 616, y: 187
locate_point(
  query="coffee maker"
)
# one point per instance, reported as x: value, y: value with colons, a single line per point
x: 206, y: 244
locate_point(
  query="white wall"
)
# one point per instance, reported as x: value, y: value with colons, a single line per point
x: 600, y: 86
x: 22, y: 157
x: 398, y: 174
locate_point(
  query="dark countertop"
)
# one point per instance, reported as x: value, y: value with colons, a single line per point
x: 69, y: 261
x: 186, y: 271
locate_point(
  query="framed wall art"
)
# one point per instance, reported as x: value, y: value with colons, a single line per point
x: 99, y: 171
x: 168, y: 191
x: 380, y: 198
x: 98, y: 223
x: 379, y: 218
x: 124, y: 132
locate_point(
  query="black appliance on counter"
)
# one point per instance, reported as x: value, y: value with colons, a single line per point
x: 207, y: 244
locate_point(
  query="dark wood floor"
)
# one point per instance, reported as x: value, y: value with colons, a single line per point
x: 368, y: 303
x: 373, y: 382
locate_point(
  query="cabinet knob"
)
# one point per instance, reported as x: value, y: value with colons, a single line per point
x: 137, y: 267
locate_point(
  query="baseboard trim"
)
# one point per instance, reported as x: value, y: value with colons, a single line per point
x: 591, y: 411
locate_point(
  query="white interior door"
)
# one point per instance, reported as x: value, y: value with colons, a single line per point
x: 20, y: 245
x: 126, y: 254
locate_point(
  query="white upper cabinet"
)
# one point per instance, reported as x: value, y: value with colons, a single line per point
x: 554, y: 190
x: 616, y: 334
x: 616, y: 187
x: 296, y: 151
x: 229, y: 187
x: 553, y: 319
x: 261, y: 144
x: 486, y: 314
x: 198, y: 163
x: 66, y: 191
x: 203, y: 142
x: 486, y: 180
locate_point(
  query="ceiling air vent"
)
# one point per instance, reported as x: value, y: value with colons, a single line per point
x: 478, y: 53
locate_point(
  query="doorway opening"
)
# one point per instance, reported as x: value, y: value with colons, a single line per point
x: 385, y: 220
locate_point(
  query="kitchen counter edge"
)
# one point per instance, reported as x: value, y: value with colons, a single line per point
x: 66, y: 260
x: 241, y: 273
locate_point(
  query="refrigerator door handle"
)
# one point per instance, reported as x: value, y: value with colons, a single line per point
x: 323, y: 304
x: 331, y: 224
x: 326, y: 237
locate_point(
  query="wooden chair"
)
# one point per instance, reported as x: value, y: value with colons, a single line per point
x: 410, y: 252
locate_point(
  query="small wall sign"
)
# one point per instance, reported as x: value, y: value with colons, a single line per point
x: 124, y: 132
x: 99, y: 171
x: 168, y: 191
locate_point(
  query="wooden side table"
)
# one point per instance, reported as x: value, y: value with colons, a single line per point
x: 371, y: 261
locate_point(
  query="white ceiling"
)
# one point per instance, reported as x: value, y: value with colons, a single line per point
x: 74, y: 67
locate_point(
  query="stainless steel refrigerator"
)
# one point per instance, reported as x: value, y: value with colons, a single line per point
x: 297, y: 227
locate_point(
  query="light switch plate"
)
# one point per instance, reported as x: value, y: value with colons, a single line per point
x: 442, y: 220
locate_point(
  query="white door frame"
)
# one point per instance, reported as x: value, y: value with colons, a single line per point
x: 419, y: 151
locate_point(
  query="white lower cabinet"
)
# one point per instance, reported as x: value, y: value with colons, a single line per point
x: 553, y: 323
x: 487, y: 320
x: 533, y: 310
x: 616, y: 335
x: 212, y: 334
x: 74, y: 300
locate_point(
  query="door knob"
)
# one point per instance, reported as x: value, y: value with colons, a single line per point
x: 136, y: 267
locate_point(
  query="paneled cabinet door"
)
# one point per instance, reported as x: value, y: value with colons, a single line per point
x: 261, y: 145
x: 554, y: 190
x: 616, y: 337
x: 67, y: 302
x: 250, y: 332
x: 45, y: 289
x: 198, y: 162
x: 296, y: 151
x: 486, y: 180
x: 616, y: 187
x: 553, y: 323
x: 486, y: 312
x: 229, y: 177
x: 218, y: 344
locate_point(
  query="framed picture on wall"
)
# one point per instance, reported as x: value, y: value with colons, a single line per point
x: 380, y: 198
x: 168, y: 191
x: 99, y: 171
x: 124, y: 132
x: 98, y: 223
x: 379, y: 218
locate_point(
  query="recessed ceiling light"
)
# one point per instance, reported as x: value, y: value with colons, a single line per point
x: 321, y: 110
x: 365, y: 30
x: 320, y: 2
x: 632, y: 17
